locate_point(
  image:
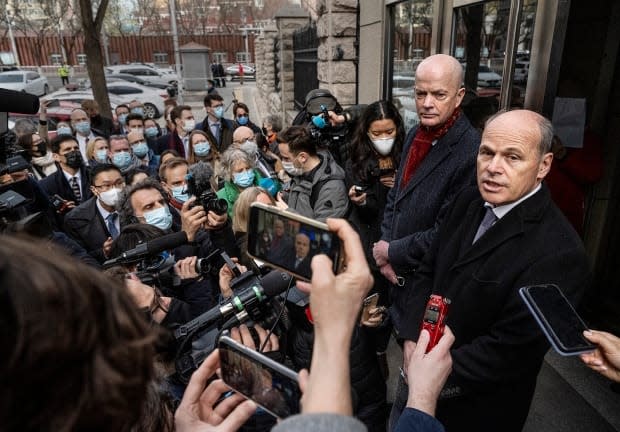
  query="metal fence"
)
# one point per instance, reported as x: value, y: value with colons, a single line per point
x: 33, y: 51
x: 305, y: 49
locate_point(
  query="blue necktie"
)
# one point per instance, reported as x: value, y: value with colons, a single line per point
x: 110, y: 222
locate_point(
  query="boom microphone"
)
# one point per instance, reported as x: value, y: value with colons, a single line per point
x: 272, y: 284
x: 18, y: 102
x: 169, y: 241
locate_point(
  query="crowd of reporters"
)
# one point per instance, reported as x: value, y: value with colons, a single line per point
x: 104, y: 189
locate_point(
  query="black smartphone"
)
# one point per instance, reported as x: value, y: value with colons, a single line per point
x: 273, y: 387
x: 557, y: 318
x: 359, y: 190
x: 288, y: 241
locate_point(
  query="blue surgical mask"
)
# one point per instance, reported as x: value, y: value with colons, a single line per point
x: 242, y: 120
x: 138, y: 110
x: 160, y: 217
x: 244, y: 179
x: 83, y: 127
x: 101, y: 156
x: 219, y: 112
x: 122, y: 118
x: 140, y: 149
x: 179, y: 193
x: 64, y: 130
x: 121, y: 159
x: 202, y: 149
x: 151, y: 132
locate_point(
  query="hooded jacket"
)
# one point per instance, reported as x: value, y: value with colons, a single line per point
x: 322, y: 193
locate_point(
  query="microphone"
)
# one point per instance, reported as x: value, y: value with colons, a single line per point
x: 169, y: 241
x: 18, y: 102
x: 272, y: 284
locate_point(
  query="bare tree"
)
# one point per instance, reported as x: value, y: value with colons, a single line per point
x: 38, y: 18
x: 92, y: 48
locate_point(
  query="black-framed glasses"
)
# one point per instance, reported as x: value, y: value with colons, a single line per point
x: 119, y: 184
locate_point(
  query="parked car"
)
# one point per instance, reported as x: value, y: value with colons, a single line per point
x: 486, y: 77
x: 153, y: 99
x: 137, y: 80
x: 522, y: 69
x: 73, y: 99
x: 24, y: 81
x: 233, y: 71
x: 147, y: 73
x: 120, y: 92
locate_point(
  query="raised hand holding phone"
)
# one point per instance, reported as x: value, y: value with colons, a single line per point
x: 199, y: 409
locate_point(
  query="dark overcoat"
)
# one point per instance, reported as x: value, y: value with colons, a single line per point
x: 499, y: 347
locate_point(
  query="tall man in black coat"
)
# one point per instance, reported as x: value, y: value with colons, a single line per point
x: 95, y: 223
x: 438, y: 160
x: 504, y: 235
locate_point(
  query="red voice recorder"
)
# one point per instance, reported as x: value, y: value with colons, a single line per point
x: 434, y: 320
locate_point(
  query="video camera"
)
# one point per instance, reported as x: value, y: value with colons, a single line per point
x: 19, y: 212
x: 18, y: 102
x: 315, y: 114
x: 153, y: 261
x: 254, y: 300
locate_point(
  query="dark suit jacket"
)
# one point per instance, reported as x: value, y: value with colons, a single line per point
x: 413, y: 213
x: 86, y: 226
x: 173, y: 142
x: 226, y: 132
x: 499, y: 347
x: 58, y: 184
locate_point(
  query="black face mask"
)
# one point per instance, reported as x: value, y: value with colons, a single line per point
x: 74, y: 159
x: 42, y: 148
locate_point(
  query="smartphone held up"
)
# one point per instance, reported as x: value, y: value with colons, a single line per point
x: 288, y: 241
x: 273, y: 387
x: 557, y: 318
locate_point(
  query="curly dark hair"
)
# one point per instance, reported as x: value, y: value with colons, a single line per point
x: 76, y: 353
x: 361, y: 146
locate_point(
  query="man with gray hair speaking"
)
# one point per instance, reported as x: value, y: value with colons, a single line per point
x: 493, y: 240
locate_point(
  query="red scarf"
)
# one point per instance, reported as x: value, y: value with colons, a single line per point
x: 422, y: 143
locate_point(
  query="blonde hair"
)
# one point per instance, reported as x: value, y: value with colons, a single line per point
x: 241, y: 209
x: 90, y: 147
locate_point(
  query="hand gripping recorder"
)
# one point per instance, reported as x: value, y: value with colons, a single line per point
x: 434, y: 320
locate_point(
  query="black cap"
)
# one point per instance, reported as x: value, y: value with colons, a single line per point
x: 320, y: 97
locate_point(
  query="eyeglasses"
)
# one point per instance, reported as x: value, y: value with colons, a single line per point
x: 107, y: 186
x: 243, y: 115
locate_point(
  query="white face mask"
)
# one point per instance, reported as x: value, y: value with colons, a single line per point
x: 250, y: 148
x: 189, y: 125
x: 383, y: 145
x: 110, y: 197
x: 291, y: 169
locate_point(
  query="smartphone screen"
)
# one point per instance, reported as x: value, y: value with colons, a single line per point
x: 557, y: 318
x: 287, y: 242
x: 271, y: 385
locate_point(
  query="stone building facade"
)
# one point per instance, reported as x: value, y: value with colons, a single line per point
x: 336, y: 26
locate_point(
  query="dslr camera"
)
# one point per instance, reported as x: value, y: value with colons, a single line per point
x: 205, y: 196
